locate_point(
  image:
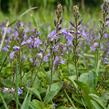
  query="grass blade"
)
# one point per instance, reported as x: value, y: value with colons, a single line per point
x: 27, y: 11
x: 4, y: 35
x: 25, y: 102
x: 5, y: 105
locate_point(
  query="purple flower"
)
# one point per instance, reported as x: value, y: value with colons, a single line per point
x: 12, y: 55
x: 9, y: 30
x: 84, y: 34
x: 33, y: 61
x: 3, y: 30
x: 29, y: 40
x: 26, y: 30
x: 16, y: 48
x: 55, y: 48
x: 9, y: 39
x: 69, y: 40
x: 45, y: 58
x: 20, y: 91
x: 52, y: 35
x: 24, y: 43
x: 6, y: 48
x: 19, y: 24
x: 24, y: 36
x: 106, y: 60
x: 56, y: 61
x: 16, y: 33
x: 68, y: 36
x: 107, y: 22
x: 37, y: 42
x: 94, y: 46
x: 33, y: 42
x: 106, y: 35
x: 66, y: 33
x: 38, y: 33
x: 62, y: 61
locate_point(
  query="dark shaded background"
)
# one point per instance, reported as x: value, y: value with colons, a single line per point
x: 19, y: 5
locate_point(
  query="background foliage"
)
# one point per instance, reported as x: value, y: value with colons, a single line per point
x: 17, y: 5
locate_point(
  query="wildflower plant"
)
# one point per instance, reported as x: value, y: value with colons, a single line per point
x: 67, y: 69
x: 75, y: 31
x: 104, y: 26
x: 102, y: 35
x: 54, y: 38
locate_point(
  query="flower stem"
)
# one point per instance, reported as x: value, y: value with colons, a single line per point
x: 17, y: 97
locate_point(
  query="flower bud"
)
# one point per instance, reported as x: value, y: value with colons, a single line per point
x: 76, y: 11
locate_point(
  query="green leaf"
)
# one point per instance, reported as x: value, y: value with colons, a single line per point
x: 63, y: 107
x: 98, y: 67
x: 88, y: 78
x: 55, y: 88
x: 70, y: 100
x: 25, y: 12
x: 72, y: 78
x: 77, y: 100
x: 36, y: 92
x: 5, y: 105
x: 98, y: 100
x: 96, y: 106
x: 25, y: 104
x: 35, y: 104
x: 85, y: 94
x: 34, y: 21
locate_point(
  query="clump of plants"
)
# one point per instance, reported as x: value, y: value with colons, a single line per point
x: 67, y: 69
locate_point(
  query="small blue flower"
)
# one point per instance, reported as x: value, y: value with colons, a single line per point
x: 106, y: 60
x: 3, y: 30
x: 16, y: 33
x: 106, y: 35
x: 55, y: 48
x: 20, y: 91
x: 24, y: 43
x: 37, y: 42
x: 68, y: 36
x: 12, y: 55
x: 6, y: 48
x: 26, y: 30
x: 66, y: 33
x: 45, y: 58
x: 29, y: 40
x: 94, y: 46
x: 62, y: 61
x: 56, y: 61
x: 84, y: 34
x: 24, y: 36
x: 16, y: 48
x: 9, y: 30
x: 69, y: 40
x: 52, y: 35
